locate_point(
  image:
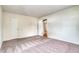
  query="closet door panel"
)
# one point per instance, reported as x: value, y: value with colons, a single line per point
x: 9, y: 27
x: 27, y: 27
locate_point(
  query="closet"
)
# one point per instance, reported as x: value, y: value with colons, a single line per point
x: 18, y: 26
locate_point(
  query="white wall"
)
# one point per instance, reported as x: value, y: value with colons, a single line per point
x: 0, y: 26
x: 64, y: 25
x: 18, y: 26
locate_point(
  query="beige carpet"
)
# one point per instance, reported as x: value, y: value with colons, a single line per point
x: 38, y: 44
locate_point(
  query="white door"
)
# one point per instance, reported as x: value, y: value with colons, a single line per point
x: 14, y: 27
x: 10, y: 27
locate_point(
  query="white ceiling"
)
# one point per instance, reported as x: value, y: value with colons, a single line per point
x: 34, y: 10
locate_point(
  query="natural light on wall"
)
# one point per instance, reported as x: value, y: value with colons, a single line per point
x: 63, y: 25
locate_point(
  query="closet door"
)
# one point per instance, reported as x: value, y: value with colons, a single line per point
x: 18, y: 26
x: 10, y: 27
x: 27, y: 26
x: 14, y: 27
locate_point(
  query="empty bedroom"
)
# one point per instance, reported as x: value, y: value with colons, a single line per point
x: 39, y: 29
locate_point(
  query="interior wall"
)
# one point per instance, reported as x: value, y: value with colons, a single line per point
x: 18, y: 26
x: 63, y: 25
x: 0, y: 26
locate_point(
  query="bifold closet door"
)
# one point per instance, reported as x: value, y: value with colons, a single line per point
x: 18, y: 26
x: 14, y: 27
x: 27, y: 26
x: 10, y: 27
